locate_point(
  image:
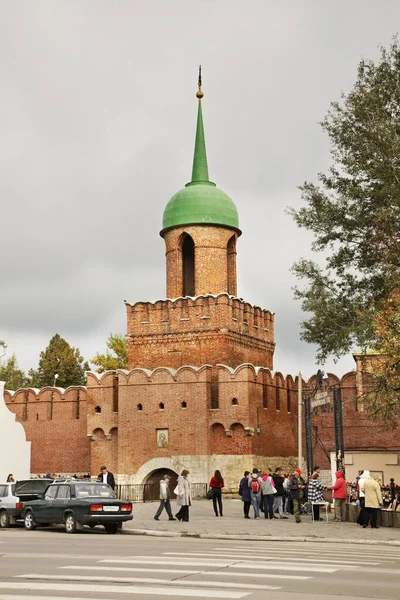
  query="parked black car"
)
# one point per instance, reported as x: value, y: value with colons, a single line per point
x: 78, y: 503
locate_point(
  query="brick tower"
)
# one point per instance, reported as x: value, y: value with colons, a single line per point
x: 202, y: 321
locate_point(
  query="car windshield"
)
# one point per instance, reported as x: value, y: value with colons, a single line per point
x: 93, y: 490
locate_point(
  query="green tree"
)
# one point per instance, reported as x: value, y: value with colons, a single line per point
x: 10, y: 372
x: 117, y: 358
x: 354, y: 214
x: 62, y: 359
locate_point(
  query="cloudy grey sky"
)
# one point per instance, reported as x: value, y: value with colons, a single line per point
x: 97, y: 118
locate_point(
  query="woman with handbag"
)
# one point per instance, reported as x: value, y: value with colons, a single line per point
x: 183, y: 496
x: 216, y: 485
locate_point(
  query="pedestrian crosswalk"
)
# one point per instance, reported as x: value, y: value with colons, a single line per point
x: 229, y: 571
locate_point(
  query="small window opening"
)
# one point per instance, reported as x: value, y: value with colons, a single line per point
x: 235, y: 402
x: 183, y: 404
x: 161, y: 405
x: 188, y: 266
x: 139, y: 407
x: 37, y: 417
x: 97, y: 409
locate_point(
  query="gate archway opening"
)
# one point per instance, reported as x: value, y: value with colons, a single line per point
x: 152, y: 484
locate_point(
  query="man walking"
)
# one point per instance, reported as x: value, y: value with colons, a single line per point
x: 165, y: 496
x: 106, y: 477
x: 296, y: 488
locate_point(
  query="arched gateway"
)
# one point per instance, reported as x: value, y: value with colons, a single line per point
x: 152, y: 485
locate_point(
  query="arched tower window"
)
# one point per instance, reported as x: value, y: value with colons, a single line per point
x: 188, y: 266
x: 97, y: 409
x: 231, y: 266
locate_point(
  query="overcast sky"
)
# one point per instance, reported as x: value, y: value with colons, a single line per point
x: 97, y: 118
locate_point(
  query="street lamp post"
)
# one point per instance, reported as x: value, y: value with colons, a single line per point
x: 4, y: 346
x: 338, y: 421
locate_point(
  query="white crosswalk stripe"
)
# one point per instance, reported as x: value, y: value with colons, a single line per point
x: 222, y: 572
x: 264, y: 557
x: 118, y: 589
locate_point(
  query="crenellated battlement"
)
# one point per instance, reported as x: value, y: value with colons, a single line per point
x: 206, y: 312
x: 198, y: 330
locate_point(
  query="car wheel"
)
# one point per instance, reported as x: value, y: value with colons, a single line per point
x: 29, y: 521
x: 4, y: 519
x: 111, y: 528
x: 70, y: 523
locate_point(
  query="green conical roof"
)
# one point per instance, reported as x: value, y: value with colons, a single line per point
x: 200, y: 201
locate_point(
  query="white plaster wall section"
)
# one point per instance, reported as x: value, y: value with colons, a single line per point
x: 15, y: 451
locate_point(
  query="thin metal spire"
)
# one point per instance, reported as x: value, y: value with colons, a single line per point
x: 199, y: 93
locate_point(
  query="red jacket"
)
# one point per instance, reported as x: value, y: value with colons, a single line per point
x: 214, y: 484
x: 340, y: 487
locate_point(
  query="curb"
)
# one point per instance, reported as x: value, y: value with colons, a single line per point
x: 258, y: 538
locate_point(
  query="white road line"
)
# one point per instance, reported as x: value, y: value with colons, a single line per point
x: 279, y: 567
x: 133, y: 569
x: 52, y: 597
x: 217, y: 573
x: 161, y: 582
x: 237, y: 564
x: 160, y: 561
x: 116, y: 589
x: 272, y: 557
x: 326, y: 550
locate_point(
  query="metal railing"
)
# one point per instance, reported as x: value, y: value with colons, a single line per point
x: 148, y: 492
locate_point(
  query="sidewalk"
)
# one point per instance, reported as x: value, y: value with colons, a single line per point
x: 232, y: 525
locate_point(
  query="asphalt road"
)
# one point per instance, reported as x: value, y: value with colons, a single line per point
x: 48, y: 563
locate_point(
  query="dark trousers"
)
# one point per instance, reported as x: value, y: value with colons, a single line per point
x: 164, y: 504
x: 217, y: 498
x: 363, y: 512
x: 268, y: 503
x: 246, y: 508
x: 183, y: 514
x: 315, y: 508
x: 289, y: 505
x: 297, y: 508
x: 371, y: 516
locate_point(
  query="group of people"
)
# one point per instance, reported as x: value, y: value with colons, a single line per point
x: 278, y: 494
x: 265, y: 492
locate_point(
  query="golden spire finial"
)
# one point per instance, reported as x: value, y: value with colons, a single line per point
x: 199, y: 93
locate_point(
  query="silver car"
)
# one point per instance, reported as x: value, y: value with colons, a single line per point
x: 10, y: 505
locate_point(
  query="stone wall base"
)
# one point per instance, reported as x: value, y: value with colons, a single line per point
x: 202, y: 467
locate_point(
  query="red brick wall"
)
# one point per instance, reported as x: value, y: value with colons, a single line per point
x: 213, y: 272
x: 126, y: 439
x: 360, y: 431
x: 197, y: 331
x: 58, y: 437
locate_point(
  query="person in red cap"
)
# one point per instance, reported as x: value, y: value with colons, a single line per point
x: 296, y: 487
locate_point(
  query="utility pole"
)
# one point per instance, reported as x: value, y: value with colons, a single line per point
x: 300, y: 419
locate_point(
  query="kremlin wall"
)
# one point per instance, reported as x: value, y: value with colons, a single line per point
x: 201, y: 392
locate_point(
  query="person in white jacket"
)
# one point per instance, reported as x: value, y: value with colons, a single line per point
x: 183, y: 496
x: 165, y: 496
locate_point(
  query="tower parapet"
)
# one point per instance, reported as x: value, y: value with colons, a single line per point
x: 207, y: 329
